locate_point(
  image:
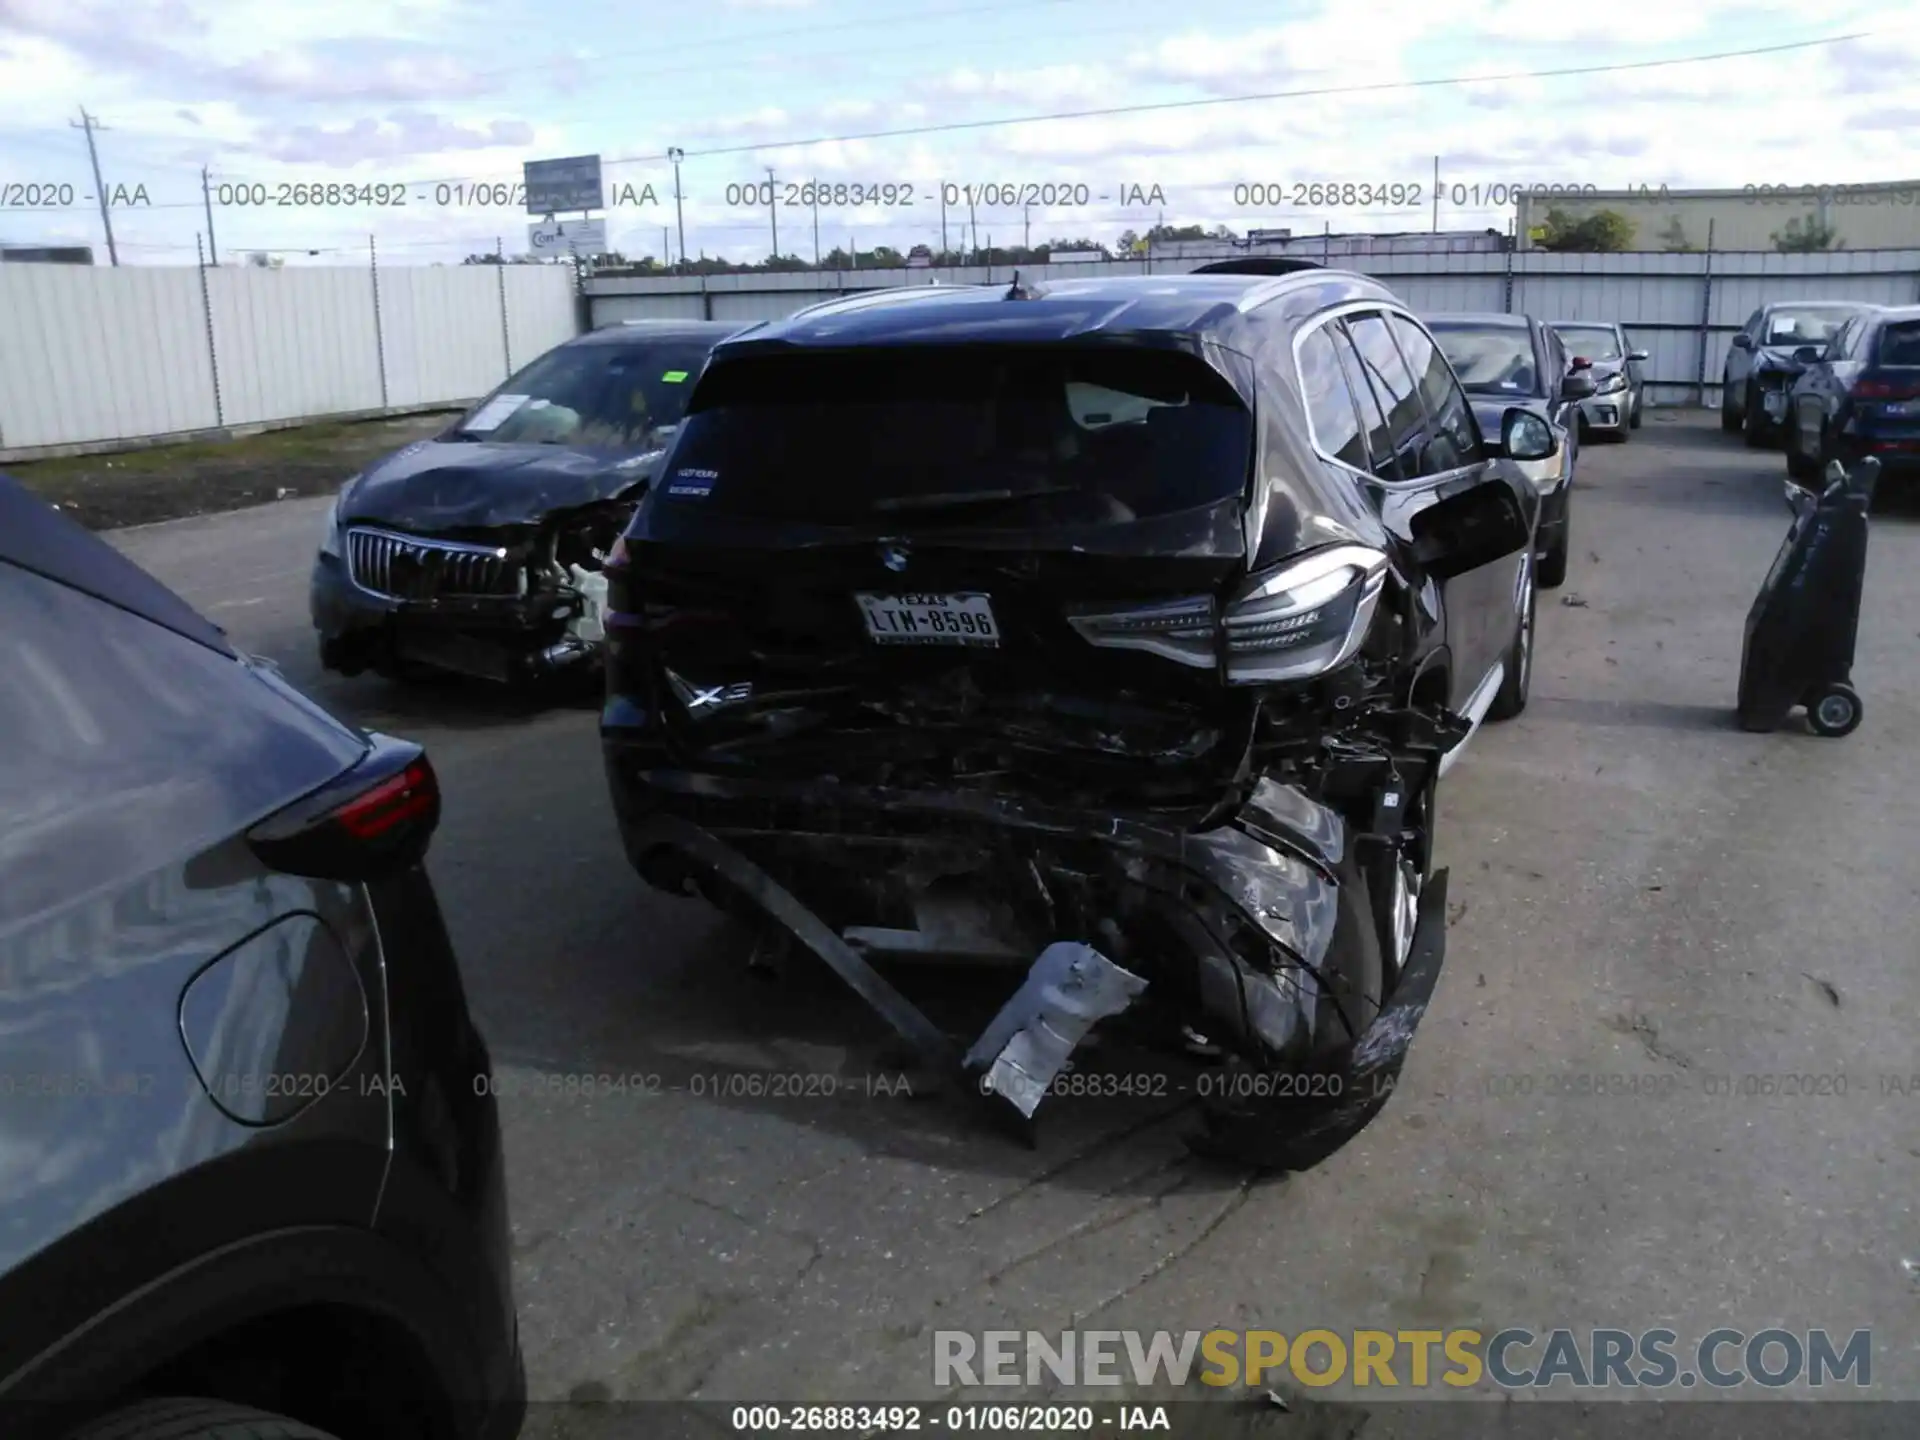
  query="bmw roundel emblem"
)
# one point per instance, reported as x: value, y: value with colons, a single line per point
x: 894, y: 557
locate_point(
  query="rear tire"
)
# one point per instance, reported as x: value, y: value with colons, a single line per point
x: 1552, y: 571
x: 1518, y: 681
x: 1639, y: 404
x: 1729, y: 417
x: 187, y: 1419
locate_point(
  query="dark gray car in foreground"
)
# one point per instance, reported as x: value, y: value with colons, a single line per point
x: 1507, y: 361
x: 1107, y: 638
x: 249, y: 1155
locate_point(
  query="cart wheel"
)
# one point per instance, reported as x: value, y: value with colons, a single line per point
x: 1835, y: 711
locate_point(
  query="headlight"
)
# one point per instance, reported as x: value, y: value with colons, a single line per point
x: 330, y: 537
x: 1612, y: 385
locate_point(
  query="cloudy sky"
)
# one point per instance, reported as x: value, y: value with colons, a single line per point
x: 431, y: 97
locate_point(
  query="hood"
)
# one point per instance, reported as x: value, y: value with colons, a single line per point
x: 439, y: 485
x: 1776, y: 357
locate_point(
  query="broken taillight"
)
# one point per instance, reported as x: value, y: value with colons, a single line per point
x: 375, y: 819
x: 1886, y: 389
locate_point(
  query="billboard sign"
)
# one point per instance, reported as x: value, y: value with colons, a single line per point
x: 555, y: 186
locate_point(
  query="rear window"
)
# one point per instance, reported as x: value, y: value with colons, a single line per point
x: 1900, y: 343
x: 962, y: 435
x: 129, y: 746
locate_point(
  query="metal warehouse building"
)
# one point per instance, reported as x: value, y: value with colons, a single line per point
x: 1880, y: 216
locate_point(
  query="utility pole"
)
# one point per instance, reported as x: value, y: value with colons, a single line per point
x: 816, y: 227
x: 943, y: 220
x: 1026, y: 227
x: 206, y: 194
x: 666, y: 249
x: 1436, y: 194
x: 87, y: 123
x: 773, y: 210
x: 676, y: 155
x: 974, y: 218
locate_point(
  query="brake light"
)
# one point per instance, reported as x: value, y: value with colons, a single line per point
x: 373, y: 820
x: 1298, y: 620
x: 1886, y: 390
x: 414, y: 792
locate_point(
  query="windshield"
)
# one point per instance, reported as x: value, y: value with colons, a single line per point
x: 1804, y: 327
x: 963, y: 436
x: 1490, y: 359
x: 1594, y: 342
x: 611, y: 397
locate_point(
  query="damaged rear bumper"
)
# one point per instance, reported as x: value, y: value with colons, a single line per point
x: 1229, y: 930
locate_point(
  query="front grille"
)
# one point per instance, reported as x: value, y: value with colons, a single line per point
x: 408, y: 567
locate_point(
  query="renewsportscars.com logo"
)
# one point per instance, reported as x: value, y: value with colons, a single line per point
x: 1513, y: 1359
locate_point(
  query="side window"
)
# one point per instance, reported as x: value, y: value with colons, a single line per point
x: 1394, y: 385
x: 1330, y: 404
x: 1454, y: 440
x: 1373, y: 416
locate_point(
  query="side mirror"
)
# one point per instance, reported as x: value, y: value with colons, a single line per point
x: 1577, y: 386
x: 1483, y: 523
x: 1809, y: 354
x: 1525, y: 436
x: 1638, y: 355
x: 1742, y: 341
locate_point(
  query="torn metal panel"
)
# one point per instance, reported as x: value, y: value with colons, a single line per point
x: 754, y: 883
x: 1070, y: 988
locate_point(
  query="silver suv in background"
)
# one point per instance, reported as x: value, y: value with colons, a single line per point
x: 1619, y: 385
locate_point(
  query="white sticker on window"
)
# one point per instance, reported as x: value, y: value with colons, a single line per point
x: 493, y: 414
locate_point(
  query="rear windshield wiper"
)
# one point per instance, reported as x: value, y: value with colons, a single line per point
x: 960, y: 499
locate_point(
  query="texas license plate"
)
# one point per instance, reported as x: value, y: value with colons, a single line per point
x: 964, y: 619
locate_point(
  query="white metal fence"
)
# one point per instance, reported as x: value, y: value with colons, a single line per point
x: 1682, y: 308
x: 91, y: 356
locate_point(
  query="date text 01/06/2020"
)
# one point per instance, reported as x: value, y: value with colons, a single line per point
x: 898, y: 1419
x: 901, y: 194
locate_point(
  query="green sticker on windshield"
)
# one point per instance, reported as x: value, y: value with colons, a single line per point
x: 674, y: 377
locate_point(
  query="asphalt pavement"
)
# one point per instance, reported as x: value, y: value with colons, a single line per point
x: 1670, y: 1076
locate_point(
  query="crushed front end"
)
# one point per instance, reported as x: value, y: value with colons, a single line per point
x: 507, y: 603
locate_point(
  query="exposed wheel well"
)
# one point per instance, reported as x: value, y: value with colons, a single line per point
x: 342, y: 1370
x: 1433, y: 685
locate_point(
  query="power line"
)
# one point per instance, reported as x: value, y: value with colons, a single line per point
x: 1163, y: 106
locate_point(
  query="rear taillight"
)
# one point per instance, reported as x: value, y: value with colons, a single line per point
x: 1293, y: 622
x: 1304, y: 618
x: 373, y: 820
x: 1886, y: 389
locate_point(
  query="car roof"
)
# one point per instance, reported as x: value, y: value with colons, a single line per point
x: 1821, y: 305
x: 37, y: 537
x: 1491, y: 319
x: 1187, y: 307
x: 640, y: 331
x: 1583, y: 324
x: 1902, y: 313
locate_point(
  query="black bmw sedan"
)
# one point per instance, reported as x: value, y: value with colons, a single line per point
x: 479, y: 551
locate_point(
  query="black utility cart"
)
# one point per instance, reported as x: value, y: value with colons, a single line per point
x: 1801, y: 629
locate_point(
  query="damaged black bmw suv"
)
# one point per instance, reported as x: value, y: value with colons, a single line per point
x: 1126, y: 623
